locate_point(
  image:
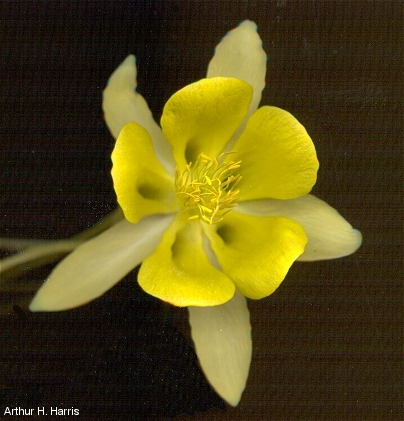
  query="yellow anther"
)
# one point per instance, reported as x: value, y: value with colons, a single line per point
x: 207, y: 210
x: 207, y: 187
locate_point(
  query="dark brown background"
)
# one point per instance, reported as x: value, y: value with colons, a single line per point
x: 328, y: 343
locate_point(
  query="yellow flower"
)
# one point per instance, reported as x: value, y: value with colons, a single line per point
x: 216, y: 205
x: 272, y: 158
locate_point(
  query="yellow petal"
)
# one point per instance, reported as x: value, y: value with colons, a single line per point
x: 278, y: 158
x: 140, y: 182
x: 203, y: 116
x: 179, y: 271
x: 256, y: 252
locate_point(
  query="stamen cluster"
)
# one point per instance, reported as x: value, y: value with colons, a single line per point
x: 208, y: 187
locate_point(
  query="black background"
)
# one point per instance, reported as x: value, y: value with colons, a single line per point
x: 328, y: 343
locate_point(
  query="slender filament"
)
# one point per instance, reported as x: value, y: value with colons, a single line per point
x: 207, y: 188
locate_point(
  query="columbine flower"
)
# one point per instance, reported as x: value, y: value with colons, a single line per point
x: 216, y: 206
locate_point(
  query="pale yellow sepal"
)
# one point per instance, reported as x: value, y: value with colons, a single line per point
x: 122, y: 104
x: 278, y: 156
x: 179, y: 271
x: 256, y: 252
x: 98, y: 264
x: 330, y: 235
x: 240, y: 55
x: 141, y: 184
x: 203, y: 116
x: 222, y: 338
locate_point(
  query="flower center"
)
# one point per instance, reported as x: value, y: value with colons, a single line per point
x: 207, y: 188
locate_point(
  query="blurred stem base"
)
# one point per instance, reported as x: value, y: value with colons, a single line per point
x: 19, y: 274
